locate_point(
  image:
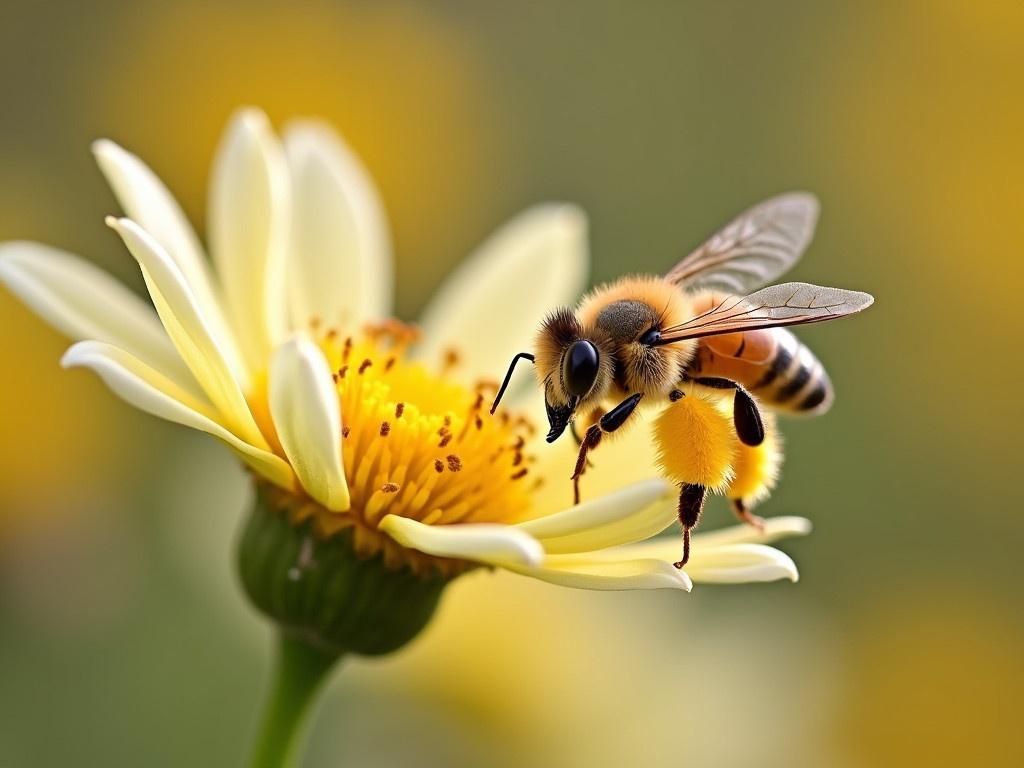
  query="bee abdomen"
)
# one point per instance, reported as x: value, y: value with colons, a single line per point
x: 794, y: 379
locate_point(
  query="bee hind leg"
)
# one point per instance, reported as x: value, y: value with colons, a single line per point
x: 691, y: 503
x: 607, y: 424
x: 745, y: 515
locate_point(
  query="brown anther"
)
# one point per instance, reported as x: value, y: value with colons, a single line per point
x: 390, y: 363
x: 451, y: 358
x: 521, y: 473
x: 478, y: 402
x: 454, y: 462
x: 345, y: 430
x: 522, y: 421
x: 479, y: 423
x: 447, y: 420
x: 335, y: 377
x: 342, y: 371
x: 332, y: 333
x: 445, y: 439
x: 347, y: 350
x: 390, y: 488
x: 314, y: 322
x: 364, y: 365
x: 438, y: 466
x: 517, y: 459
x: 385, y: 429
x: 399, y: 410
x: 519, y: 443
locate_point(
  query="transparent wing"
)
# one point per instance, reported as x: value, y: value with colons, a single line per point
x: 776, y: 305
x: 753, y: 249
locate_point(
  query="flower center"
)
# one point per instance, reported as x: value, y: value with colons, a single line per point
x: 419, y: 445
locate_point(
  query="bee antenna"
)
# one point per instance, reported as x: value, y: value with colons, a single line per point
x: 508, y: 377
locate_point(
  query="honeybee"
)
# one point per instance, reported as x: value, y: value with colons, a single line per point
x: 687, y: 340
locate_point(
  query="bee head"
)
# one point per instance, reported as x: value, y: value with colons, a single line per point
x: 578, y: 373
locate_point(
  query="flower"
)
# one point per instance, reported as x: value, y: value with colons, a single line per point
x: 283, y: 348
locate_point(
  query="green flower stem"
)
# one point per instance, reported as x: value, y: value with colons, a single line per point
x: 300, y: 673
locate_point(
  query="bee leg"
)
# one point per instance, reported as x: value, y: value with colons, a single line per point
x: 748, y: 517
x: 607, y: 424
x: 578, y: 439
x: 691, y: 503
x: 745, y: 413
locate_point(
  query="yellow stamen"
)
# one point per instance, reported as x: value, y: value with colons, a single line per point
x: 415, y: 444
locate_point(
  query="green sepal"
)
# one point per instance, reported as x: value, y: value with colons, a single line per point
x: 322, y: 592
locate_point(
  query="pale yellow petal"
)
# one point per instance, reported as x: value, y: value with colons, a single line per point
x: 670, y: 547
x: 488, y: 543
x: 340, y: 264
x: 307, y: 417
x: 147, y: 389
x: 250, y: 209
x: 188, y: 329
x: 631, y: 514
x: 775, y: 528
x: 84, y: 302
x: 490, y: 308
x: 605, y: 573
x: 739, y: 564
x: 147, y: 201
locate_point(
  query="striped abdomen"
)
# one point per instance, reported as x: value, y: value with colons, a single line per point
x: 771, y: 363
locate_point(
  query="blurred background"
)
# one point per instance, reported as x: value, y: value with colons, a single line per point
x: 123, y: 636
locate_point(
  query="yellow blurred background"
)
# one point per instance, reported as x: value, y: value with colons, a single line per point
x: 124, y: 639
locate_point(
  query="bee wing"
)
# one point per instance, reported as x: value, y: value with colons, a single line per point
x: 753, y: 249
x: 776, y: 305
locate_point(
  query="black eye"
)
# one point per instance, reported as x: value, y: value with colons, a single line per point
x: 579, y: 368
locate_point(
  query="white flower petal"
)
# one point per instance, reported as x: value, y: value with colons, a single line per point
x: 604, y: 573
x: 84, y: 302
x: 491, y: 306
x: 249, y: 211
x: 147, y: 201
x: 739, y: 564
x: 634, y: 513
x: 670, y: 547
x: 340, y: 268
x: 489, y: 543
x: 307, y: 416
x: 775, y: 528
x: 146, y: 389
x: 189, y: 330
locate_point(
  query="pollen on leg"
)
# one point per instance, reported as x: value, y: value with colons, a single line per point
x: 696, y: 440
x: 757, y: 466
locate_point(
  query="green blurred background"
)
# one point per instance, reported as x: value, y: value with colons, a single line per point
x: 123, y: 636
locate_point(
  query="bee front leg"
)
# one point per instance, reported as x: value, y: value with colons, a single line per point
x: 607, y: 424
x: 595, y: 415
x: 745, y: 413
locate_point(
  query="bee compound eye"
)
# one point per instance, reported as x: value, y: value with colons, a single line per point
x: 580, y: 367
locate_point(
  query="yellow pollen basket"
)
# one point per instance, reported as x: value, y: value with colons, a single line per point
x: 696, y: 438
x: 418, y: 445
